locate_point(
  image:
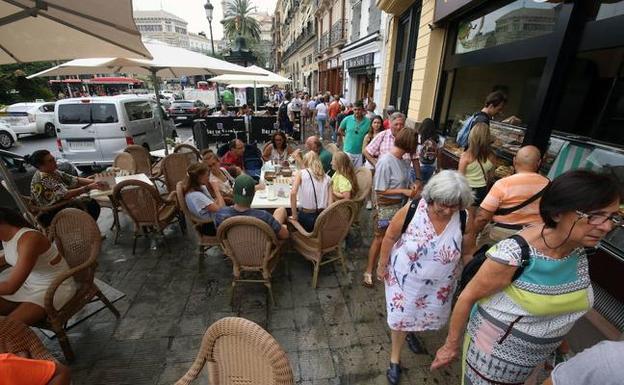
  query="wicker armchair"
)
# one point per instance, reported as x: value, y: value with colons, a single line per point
x: 142, y: 161
x: 17, y: 337
x: 330, y: 229
x: 204, y: 241
x: 79, y: 241
x: 173, y: 169
x: 125, y: 161
x: 190, y: 151
x: 252, y: 245
x: 238, y: 351
x: 148, y: 210
x: 364, y: 178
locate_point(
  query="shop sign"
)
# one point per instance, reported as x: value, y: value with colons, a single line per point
x: 360, y: 61
x: 332, y: 63
x: 443, y: 8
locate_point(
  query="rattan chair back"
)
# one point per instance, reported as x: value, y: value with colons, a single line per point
x: 174, y: 169
x: 190, y: 151
x: 17, y: 337
x: 140, y: 201
x: 78, y: 239
x: 239, y: 351
x: 125, y: 161
x: 248, y: 241
x: 332, y: 225
x: 364, y: 179
x: 142, y: 161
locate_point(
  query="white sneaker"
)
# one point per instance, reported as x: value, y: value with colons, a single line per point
x: 369, y: 205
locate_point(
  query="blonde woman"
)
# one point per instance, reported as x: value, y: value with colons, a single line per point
x: 344, y: 184
x: 218, y: 175
x: 477, y: 164
x: 312, y: 187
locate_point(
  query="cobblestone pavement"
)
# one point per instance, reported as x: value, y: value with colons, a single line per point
x: 335, y: 334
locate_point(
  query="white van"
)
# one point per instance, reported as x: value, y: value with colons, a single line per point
x: 91, y: 131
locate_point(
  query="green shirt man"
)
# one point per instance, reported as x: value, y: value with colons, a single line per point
x: 354, y: 128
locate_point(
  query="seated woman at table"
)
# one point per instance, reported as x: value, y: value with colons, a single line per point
x: 312, y: 188
x: 278, y: 149
x: 50, y: 186
x: 199, y: 200
x: 219, y: 175
x: 34, y: 264
x: 344, y: 184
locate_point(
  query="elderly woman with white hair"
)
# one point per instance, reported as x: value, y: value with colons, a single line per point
x: 420, y: 261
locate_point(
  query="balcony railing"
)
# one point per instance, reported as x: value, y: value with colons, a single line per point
x: 324, y: 42
x: 338, y: 33
x: 308, y: 33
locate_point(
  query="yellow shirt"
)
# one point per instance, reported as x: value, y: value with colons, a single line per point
x: 340, y: 183
x: 474, y: 173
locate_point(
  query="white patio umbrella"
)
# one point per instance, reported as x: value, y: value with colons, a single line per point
x: 35, y: 30
x: 267, y: 77
x: 248, y: 85
x: 167, y: 62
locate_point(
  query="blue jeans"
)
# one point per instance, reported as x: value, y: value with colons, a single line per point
x: 426, y: 172
x: 321, y: 125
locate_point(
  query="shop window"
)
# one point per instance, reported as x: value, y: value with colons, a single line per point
x: 593, y: 99
x: 610, y: 8
x: 518, y: 20
x: 518, y: 80
x: 407, y: 36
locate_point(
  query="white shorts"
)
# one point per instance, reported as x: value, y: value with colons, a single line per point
x: 356, y: 160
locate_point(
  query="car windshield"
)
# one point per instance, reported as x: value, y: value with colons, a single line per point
x: 87, y: 113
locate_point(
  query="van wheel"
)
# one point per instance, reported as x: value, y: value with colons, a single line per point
x: 50, y: 131
x: 6, y: 140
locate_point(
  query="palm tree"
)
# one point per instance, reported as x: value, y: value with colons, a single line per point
x: 237, y: 20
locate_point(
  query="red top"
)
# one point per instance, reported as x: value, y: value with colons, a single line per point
x: 334, y: 109
x: 386, y: 124
x: 18, y: 370
x: 229, y: 159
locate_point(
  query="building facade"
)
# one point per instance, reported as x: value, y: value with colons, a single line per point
x: 362, y: 55
x: 162, y: 26
x: 332, y: 28
x: 198, y: 42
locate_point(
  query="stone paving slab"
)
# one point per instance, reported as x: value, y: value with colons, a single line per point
x: 335, y: 334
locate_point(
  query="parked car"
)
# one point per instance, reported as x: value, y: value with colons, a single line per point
x: 30, y: 118
x: 187, y: 110
x: 22, y: 174
x: 8, y: 137
x: 92, y: 131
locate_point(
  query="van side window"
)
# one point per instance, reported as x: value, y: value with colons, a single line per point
x: 139, y: 110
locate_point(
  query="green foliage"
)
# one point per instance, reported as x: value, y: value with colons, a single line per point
x: 14, y: 87
x: 239, y: 12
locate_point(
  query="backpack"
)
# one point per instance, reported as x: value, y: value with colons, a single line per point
x: 472, y: 267
x: 282, y: 114
x: 428, y: 152
x: 464, y: 132
x: 412, y: 210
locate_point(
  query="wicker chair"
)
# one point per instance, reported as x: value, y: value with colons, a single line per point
x: 190, y: 151
x: 238, y: 351
x: 364, y: 178
x: 17, y: 337
x: 204, y: 241
x: 173, y: 169
x: 148, y: 210
x: 142, y: 161
x: 125, y: 161
x: 330, y: 229
x: 79, y: 241
x: 252, y: 246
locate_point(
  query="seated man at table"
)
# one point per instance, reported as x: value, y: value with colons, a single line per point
x: 50, y: 186
x: 233, y: 159
x: 313, y: 143
x: 244, y: 191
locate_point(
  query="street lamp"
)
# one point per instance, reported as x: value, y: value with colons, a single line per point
x: 209, y: 8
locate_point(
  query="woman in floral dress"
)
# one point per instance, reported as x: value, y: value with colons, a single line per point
x: 508, y: 327
x: 421, y: 266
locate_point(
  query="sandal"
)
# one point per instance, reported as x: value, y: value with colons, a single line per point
x: 368, y: 280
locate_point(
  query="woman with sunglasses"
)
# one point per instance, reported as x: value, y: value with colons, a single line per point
x: 509, y: 326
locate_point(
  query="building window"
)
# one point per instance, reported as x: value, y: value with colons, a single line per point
x: 407, y: 36
x: 518, y: 20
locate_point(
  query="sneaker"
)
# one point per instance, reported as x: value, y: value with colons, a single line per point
x: 393, y: 374
x: 369, y: 205
x: 414, y: 344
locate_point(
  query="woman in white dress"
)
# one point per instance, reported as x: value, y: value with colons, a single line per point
x: 34, y: 263
x: 421, y: 266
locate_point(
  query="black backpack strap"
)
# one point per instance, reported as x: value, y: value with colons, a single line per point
x: 525, y: 254
x: 509, y: 210
x: 410, y: 214
x: 463, y: 215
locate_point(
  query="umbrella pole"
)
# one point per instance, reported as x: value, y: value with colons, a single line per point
x: 160, y: 117
x: 255, y: 98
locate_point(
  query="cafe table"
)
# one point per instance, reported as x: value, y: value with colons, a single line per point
x: 261, y: 198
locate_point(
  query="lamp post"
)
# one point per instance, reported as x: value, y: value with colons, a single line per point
x: 209, y: 8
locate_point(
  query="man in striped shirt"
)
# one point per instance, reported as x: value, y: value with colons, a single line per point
x: 513, y: 202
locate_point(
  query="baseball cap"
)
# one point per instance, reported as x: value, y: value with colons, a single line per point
x: 244, y: 190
